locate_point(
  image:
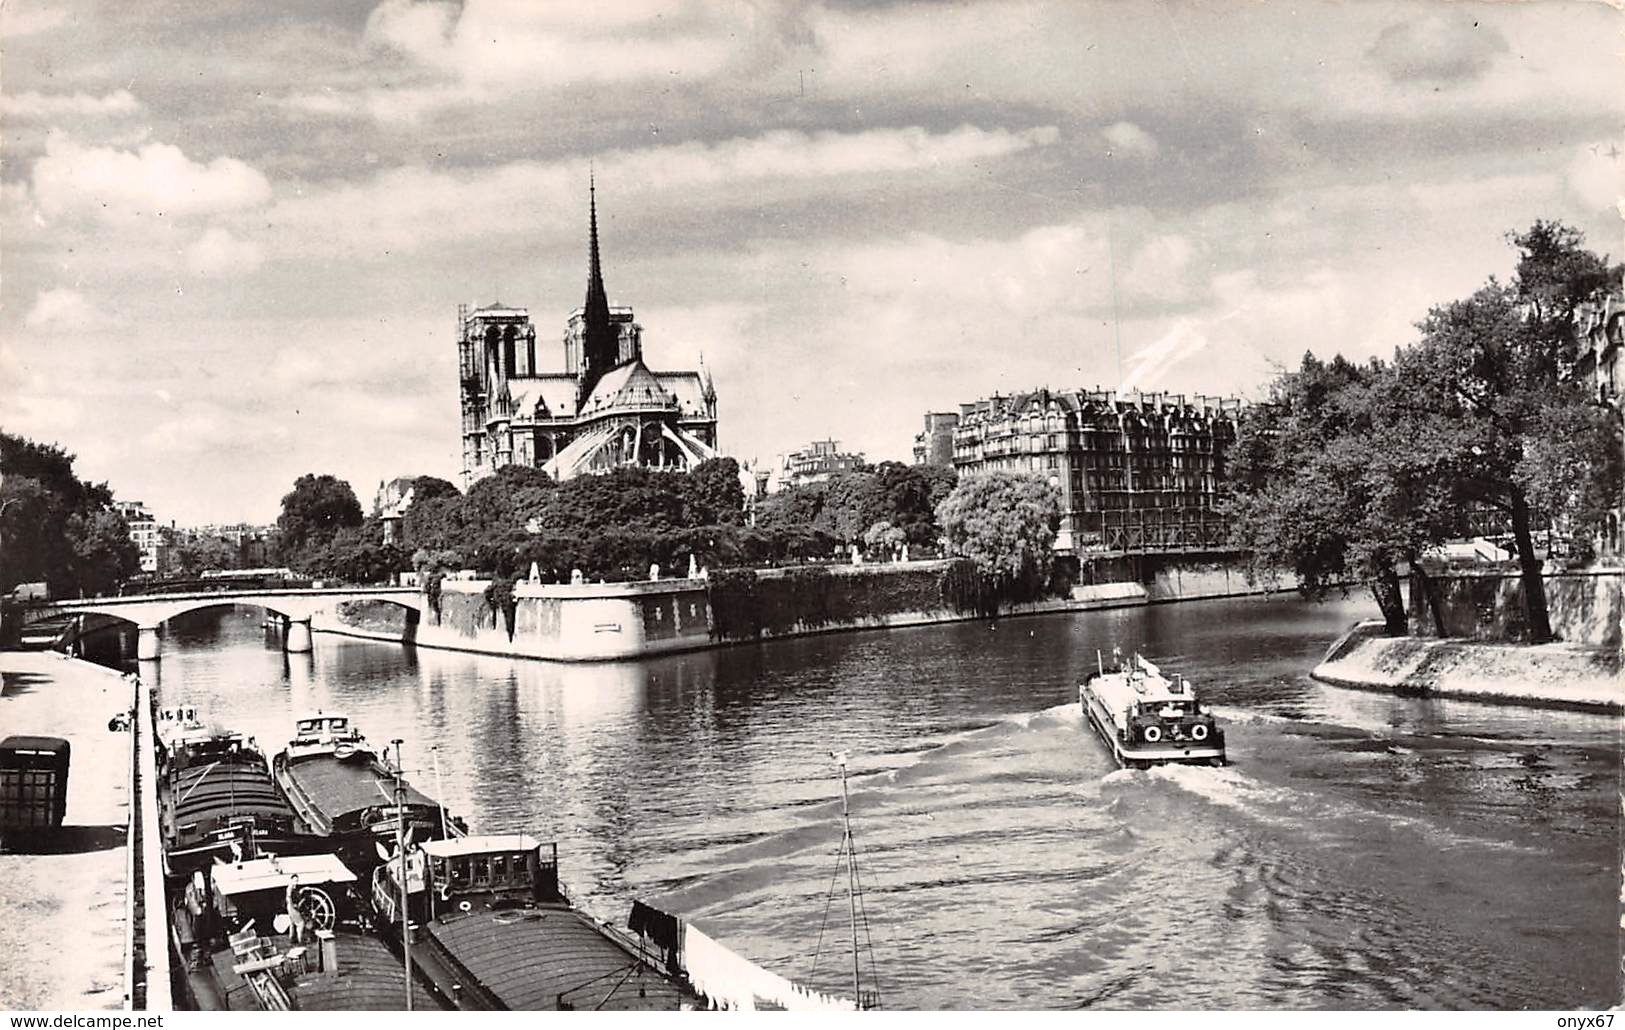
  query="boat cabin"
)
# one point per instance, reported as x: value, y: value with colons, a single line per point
x: 460, y: 874
x: 258, y: 889
x: 325, y: 734
x: 196, y: 746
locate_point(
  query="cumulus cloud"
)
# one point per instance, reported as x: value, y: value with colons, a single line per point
x: 34, y: 106
x: 1126, y: 139
x: 63, y: 309
x: 1445, y: 48
x: 157, y: 180
x: 483, y: 46
x: 218, y: 254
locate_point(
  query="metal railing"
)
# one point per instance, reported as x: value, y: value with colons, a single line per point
x: 1150, y: 529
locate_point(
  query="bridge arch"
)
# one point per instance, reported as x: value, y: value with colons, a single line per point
x: 149, y: 612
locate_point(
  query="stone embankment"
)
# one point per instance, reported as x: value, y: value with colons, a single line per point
x: 614, y: 621
x: 1559, y: 675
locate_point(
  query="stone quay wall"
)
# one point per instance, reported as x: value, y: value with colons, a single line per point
x: 1584, y: 607
x: 613, y: 621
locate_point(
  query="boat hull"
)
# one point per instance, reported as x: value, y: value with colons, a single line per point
x: 1139, y: 755
x: 347, y: 802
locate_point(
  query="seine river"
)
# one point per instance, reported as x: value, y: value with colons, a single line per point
x: 1362, y: 851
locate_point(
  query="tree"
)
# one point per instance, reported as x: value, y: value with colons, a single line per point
x: 853, y: 501
x: 1488, y: 400
x: 884, y: 539
x: 202, y: 554
x: 56, y: 527
x: 912, y: 493
x: 713, y: 494
x: 1317, y: 487
x: 426, y: 488
x: 316, y: 509
x: 103, y: 553
x: 1005, y: 522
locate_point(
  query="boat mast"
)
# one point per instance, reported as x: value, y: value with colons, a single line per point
x: 851, y: 879
x: 400, y: 850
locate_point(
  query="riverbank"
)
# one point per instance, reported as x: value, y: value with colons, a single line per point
x: 618, y: 621
x: 65, y: 921
x: 1560, y: 675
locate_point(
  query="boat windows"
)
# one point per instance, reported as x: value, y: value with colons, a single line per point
x: 460, y: 876
x: 499, y: 870
x: 482, y: 871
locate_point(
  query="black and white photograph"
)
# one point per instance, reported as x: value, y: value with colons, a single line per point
x: 826, y: 506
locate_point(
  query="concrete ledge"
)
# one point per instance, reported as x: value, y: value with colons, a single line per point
x: 1558, y: 675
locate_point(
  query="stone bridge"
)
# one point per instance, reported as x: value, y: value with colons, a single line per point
x: 150, y: 611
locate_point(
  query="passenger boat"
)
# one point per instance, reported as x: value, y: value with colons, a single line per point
x: 340, y: 787
x: 492, y: 927
x: 1148, y: 719
x: 216, y: 798
x: 283, y: 933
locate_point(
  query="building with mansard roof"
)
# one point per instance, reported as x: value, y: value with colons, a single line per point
x: 1135, y: 471
x: 605, y: 410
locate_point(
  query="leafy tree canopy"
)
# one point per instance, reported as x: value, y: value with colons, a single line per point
x: 56, y: 527
x: 1005, y: 522
x: 315, y: 509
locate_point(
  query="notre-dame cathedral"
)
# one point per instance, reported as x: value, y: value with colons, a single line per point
x: 606, y: 409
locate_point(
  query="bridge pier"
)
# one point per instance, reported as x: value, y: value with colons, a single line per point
x: 297, y: 639
x: 148, y: 645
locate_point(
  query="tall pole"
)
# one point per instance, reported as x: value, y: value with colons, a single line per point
x: 851, y: 883
x: 400, y: 850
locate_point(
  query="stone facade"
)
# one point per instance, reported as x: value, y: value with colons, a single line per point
x: 815, y: 463
x: 606, y: 409
x: 935, y: 446
x: 1136, y: 472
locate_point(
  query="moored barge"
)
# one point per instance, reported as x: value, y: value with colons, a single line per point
x: 1146, y: 718
x: 284, y: 933
x: 342, y: 789
x: 216, y: 798
x: 492, y: 927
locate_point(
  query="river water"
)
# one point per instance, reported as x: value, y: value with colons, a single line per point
x: 1361, y: 851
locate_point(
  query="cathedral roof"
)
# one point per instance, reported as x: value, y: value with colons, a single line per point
x: 688, y: 389
x: 631, y: 385
x: 556, y: 391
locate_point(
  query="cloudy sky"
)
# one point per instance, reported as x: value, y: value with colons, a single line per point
x: 235, y: 235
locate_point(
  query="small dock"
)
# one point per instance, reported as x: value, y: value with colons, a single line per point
x: 81, y: 907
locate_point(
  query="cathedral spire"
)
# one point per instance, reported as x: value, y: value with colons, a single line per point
x: 597, y: 298
x: 600, y: 339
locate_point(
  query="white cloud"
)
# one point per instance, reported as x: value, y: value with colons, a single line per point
x: 1129, y: 140
x: 409, y: 208
x: 63, y: 309
x: 1596, y: 176
x: 16, y: 23
x: 501, y: 42
x: 1159, y: 268
x: 1441, y: 47
x: 44, y: 106
x: 156, y: 181
x: 218, y: 254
